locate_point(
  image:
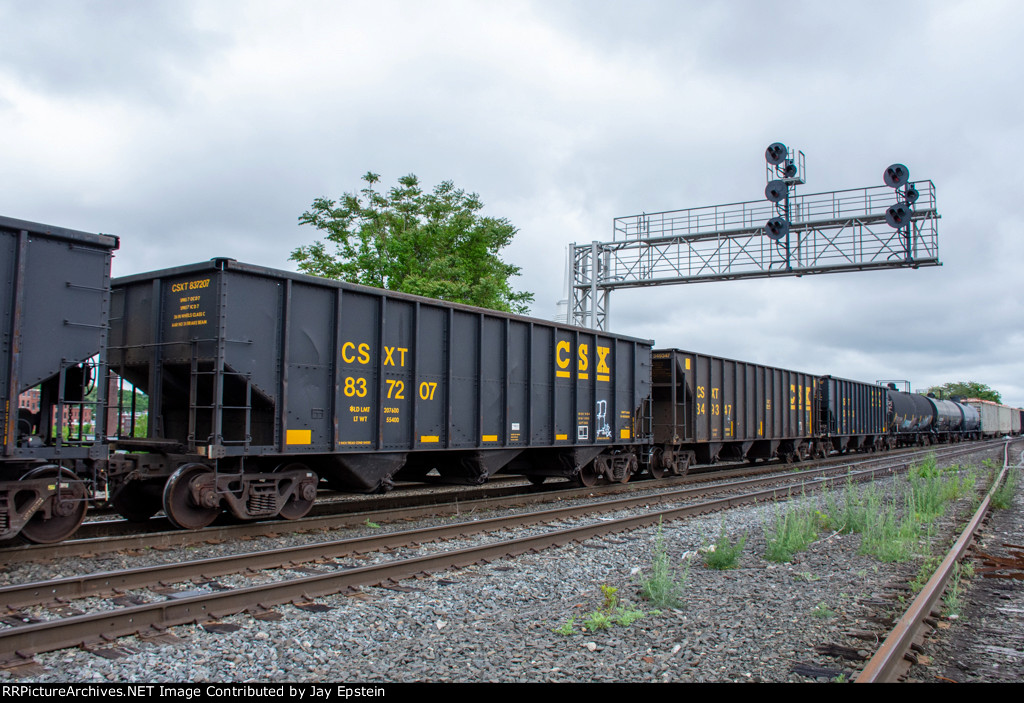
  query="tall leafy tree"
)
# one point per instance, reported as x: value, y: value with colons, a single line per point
x: 434, y: 244
x: 967, y: 389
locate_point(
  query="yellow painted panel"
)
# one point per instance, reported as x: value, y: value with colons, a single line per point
x: 561, y: 436
x: 490, y: 438
x: 430, y: 438
x: 299, y: 437
x: 624, y: 434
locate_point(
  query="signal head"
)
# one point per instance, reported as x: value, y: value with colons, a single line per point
x: 776, y: 191
x: 910, y: 195
x: 789, y: 170
x: 896, y: 175
x: 776, y: 153
x: 777, y: 228
x: 898, y: 215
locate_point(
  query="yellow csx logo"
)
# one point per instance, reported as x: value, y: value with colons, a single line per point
x: 563, y: 361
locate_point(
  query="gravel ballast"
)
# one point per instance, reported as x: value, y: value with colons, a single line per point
x: 497, y: 622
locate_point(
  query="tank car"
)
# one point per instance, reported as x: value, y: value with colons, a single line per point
x: 54, y: 299
x: 261, y: 382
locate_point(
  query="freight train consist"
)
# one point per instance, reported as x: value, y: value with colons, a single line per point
x: 225, y: 386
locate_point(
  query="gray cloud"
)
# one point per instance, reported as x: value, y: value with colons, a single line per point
x: 200, y: 130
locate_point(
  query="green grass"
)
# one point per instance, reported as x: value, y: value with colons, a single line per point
x: 823, y: 611
x: 953, y: 598
x: 724, y: 554
x: 567, y: 628
x: 1003, y: 497
x: 893, y: 527
x: 665, y: 585
x: 791, y: 531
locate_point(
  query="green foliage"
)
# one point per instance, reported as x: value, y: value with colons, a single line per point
x: 823, y: 611
x: 598, y: 620
x: 611, y: 612
x: 371, y: 524
x: 610, y: 596
x: 967, y: 389
x: 791, y: 531
x: 953, y: 598
x: 433, y: 244
x: 665, y: 586
x: 924, y: 573
x: 886, y: 535
x: 724, y: 554
x: 566, y: 628
x: 1002, y: 498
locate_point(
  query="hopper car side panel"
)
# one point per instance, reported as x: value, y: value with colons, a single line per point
x: 722, y: 408
x: 54, y: 306
x: 851, y: 414
x: 256, y: 364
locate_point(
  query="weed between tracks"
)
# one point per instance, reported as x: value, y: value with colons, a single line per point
x: 612, y: 612
x: 664, y: 587
x: 894, y: 526
x: 723, y: 554
x: 1003, y: 497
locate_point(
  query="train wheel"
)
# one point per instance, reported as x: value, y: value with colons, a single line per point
x: 656, y: 467
x: 137, y: 501
x: 66, y: 508
x: 182, y: 510
x: 587, y: 476
x: 301, y: 502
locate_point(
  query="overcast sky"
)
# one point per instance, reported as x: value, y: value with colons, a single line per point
x: 201, y: 129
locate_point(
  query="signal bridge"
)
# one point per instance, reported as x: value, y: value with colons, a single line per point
x: 850, y: 230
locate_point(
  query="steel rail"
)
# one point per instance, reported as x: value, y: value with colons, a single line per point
x: 101, y: 583
x: 172, y: 538
x: 18, y: 644
x: 888, y: 662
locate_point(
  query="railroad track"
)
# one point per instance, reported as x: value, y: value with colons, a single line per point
x: 108, y: 536
x: 19, y: 644
x: 893, y: 659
